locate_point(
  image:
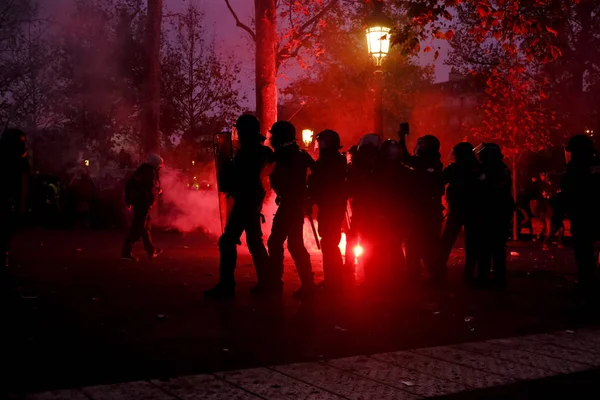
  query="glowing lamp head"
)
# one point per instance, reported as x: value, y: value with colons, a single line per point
x: 86, y: 163
x: 378, y: 28
x: 193, y: 162
x: 307, y: 136
x: 378, y: 41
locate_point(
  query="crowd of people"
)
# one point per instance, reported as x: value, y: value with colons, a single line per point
x: 391, y: 201
x: 384, y: 197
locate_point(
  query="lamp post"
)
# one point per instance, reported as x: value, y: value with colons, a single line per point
x: 378, y: 42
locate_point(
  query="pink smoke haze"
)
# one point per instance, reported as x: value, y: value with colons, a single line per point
x: 186, y: 209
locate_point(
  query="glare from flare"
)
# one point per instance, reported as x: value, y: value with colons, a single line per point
x: 307, y: 136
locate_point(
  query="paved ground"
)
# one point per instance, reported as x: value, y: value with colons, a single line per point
x: 75, y: 316
x: 470, y: 370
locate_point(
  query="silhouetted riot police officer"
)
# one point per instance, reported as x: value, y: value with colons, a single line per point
x: 327, y: 189
x: 495, y: 210
x: 288, y: 180
x: 369, y: 219
x: 424, y: 199
x: 461, y: 195
x: 392, y: 176
x: 14, y: 174
x: 580, y: 188
x: 245, y: 184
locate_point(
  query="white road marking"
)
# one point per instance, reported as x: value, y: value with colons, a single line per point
x: 425, y: 372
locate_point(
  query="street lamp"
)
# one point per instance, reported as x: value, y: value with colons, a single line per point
x: 378, y: 42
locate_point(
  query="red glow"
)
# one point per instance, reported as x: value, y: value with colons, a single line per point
x: 358, y: 251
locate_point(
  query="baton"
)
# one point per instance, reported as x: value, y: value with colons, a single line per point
x: 312, y: 225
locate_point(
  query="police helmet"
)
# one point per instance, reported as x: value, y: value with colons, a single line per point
x: 369, y: 140
x: 282, y: 132
x: 490, y: 152
x: 12, y: 143
x: 329, y: 139
x: 580, y: 144
x: 427, y: 144
x: 463, y: 150
x: 390, y: 149
x: 248, y: 128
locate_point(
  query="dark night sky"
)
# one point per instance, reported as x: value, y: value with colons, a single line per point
x: 233, y: 40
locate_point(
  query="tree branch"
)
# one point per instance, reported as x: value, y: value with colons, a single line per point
x: 285, y: 51
x: 239, y: 23
x: 317, y: 16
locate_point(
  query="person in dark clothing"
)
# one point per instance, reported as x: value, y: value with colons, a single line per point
x: 85, y: 192
x: 245, y: 183
x: 556, y: 216
x: 327, y: 189
x: 392, y: 177
x: 367, y: 215
x: 462, y: 178
x: 288, y: 180
x: 141, y: 193
x: 14, y: 174
x: 424, y: 178
x: 495, y: 211
x: 580, y: 188
x: 350, y: 229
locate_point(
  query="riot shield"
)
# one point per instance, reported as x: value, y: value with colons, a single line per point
x: 225, y: 144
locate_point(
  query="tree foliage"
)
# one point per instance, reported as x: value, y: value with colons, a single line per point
x: 337, y: 93
x: 84, y: 78
x: 200, y: 87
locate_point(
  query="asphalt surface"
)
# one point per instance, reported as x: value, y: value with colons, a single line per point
x: 76, y: 315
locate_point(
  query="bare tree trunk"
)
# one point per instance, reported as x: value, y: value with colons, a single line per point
x: 266, y: 63
x: 151, y: 112
x: 514, y: 192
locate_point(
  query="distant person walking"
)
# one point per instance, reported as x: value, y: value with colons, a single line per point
x: 141, y: 192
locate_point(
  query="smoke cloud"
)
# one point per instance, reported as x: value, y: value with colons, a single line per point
x: 186, y: 208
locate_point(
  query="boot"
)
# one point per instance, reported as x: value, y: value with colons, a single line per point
x: 305, y: 292
x: 155, y: 253
x: 221, y: 291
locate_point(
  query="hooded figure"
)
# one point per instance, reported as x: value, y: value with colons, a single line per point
x: 461, y: 195
x: 495, y: 211
x: 288, y: 180
x: 246, y: 186
x: 327, y: 190
x: 580, y: 191
x: 14, y: 175
x: 141, y: 194
x: 424, y: 199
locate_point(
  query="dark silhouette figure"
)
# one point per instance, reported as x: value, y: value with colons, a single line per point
x: 580, y: 188
x: 327, y: 189
x: 371, y: 221
x: 461, y: 195
x: 495, y: 211
x: 141, y: 193
x: 288, y: 180
x: 392, y: 177
x: 85, y: 193
x: 14, y: 174
x: 425, y: 202
x: 244, y: 182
